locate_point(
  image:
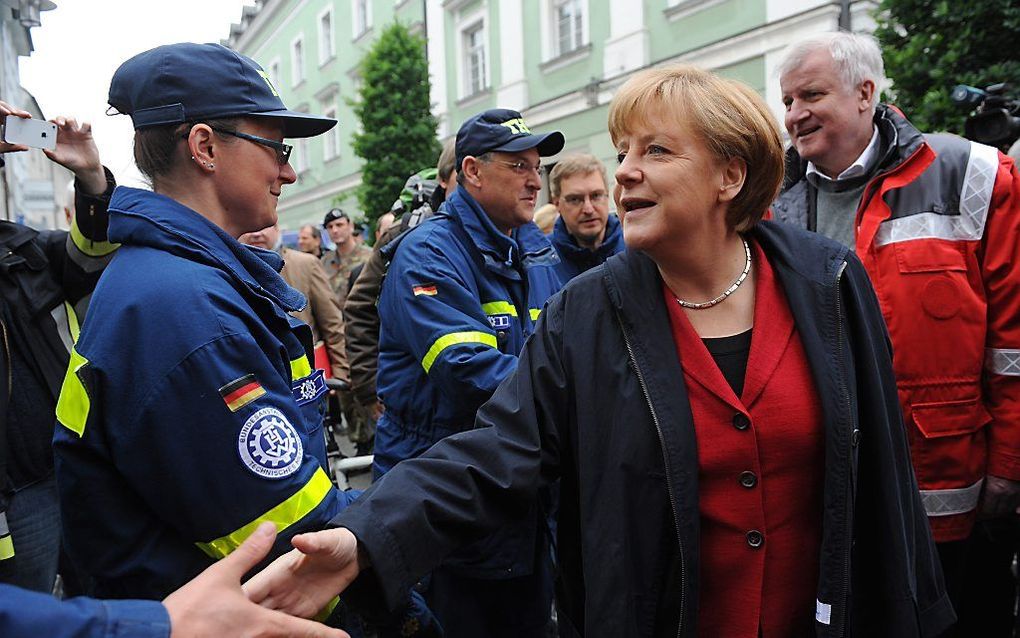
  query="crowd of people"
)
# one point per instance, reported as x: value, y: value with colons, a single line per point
x: 776, y: 393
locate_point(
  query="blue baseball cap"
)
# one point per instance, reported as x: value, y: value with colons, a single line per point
x: 502, y: 130
x: 189, y: 82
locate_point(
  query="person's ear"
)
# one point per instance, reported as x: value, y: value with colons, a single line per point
x: 472, y: 170
x: 734, y: 172
x: 202, y: 146
x: 865, y: 95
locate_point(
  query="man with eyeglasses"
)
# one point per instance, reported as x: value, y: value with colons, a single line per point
x: 585, y: 235
x: 462, y: 293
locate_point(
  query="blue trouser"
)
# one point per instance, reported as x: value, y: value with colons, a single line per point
x: 33, y: 515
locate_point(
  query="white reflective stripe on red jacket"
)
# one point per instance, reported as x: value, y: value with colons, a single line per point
x: 975, y: 197
x: 953, y: 501
x: 1004, y: 361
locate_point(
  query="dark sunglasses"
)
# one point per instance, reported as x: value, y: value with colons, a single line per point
x: 282, y: 150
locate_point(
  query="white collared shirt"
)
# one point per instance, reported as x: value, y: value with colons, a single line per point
x: 858, y: 168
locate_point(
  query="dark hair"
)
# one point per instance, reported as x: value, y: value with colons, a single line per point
x: 316, y: 233
x: 156, y: 147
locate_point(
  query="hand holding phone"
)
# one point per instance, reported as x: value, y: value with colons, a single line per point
x: 6, y: 110
x: 28, y: 132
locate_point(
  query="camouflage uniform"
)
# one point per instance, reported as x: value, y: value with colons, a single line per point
x: 360, y: 424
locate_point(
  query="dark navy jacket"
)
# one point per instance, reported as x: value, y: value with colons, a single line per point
x: 190, y: 410
x: 598, y: 401
x: 575, y: 259
x: 457, y: 304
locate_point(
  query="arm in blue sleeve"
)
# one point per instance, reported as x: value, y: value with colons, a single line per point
x: 27, y: 614
x: 236, y: 478
x: 448, y: 332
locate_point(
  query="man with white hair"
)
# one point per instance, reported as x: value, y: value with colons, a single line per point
x: 936, y: 221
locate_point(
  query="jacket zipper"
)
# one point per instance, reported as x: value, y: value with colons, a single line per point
x: 665, y: 460
x: 7, y: 353
x: 845, y: 395
x: 872, y: 187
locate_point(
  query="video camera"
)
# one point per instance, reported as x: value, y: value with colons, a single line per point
x: 996, y: 113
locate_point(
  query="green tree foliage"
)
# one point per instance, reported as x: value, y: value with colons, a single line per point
x: 398, y: 135
x: 929, y: 46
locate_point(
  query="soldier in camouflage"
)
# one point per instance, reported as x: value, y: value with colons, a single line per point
x: 339, y: 264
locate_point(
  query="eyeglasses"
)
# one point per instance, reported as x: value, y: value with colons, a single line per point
x: 523, y: 168
x: 576, y: 200
x: 282, y: 150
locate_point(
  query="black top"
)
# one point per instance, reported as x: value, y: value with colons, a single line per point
x: 730, y: 354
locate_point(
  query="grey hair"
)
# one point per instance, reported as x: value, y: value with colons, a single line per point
x: 857, y: 57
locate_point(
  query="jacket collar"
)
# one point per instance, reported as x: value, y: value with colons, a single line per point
x: 526, y: 245
x: 635, y: 281
x: 142, y: 218
x: 568, y: 247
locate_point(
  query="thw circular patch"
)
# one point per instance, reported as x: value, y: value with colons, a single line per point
x: 269, y: 445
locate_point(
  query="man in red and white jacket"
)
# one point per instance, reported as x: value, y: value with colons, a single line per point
x: 936, y: 221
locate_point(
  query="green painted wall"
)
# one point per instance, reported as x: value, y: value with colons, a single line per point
x: 585, y: 130
x: 274, y: 42
x: 712, y: 24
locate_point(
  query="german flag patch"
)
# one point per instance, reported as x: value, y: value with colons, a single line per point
x: 240, y: 392
x: 424, y: 289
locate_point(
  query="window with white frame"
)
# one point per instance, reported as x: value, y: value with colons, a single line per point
x: 274, y: 73
x: 299, y: 157
x: 362, y: 11
x: 568, y: 25
x: 297, y: 60
x: 473, y: 44
x: 327, y: 48
x: 331, y: 138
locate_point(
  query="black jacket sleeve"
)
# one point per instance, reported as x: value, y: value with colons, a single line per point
x: 891, y: 527
x: 470, y: 483
x: 77, y: 258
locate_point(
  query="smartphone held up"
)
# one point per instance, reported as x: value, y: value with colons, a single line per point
x: 33, y: 133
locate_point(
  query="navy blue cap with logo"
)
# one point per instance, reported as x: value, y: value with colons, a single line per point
x: 189, y: 82
x: 502, y: 130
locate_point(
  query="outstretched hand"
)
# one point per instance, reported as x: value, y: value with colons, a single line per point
x: 77, y: 152
x: 303, y: 581
x: 213, y: 604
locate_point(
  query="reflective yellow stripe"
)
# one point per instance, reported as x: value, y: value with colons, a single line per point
x: 534, y: 313
x: 499, y: 308
x: 327, y: 610
x: 73, y: 404
x: 89, y: 247
x: 6, y: 548
x: 300, y: 368
x: 452, y: 339
x: 72, y: 322
x: 283, y: 515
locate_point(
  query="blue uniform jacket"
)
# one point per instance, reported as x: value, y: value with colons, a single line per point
x: 575, y: 259
x: 458, y: 302
x: 28, y: 614
x: 190, y: 410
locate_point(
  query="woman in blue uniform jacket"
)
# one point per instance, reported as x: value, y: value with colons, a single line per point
x: 190, y: 410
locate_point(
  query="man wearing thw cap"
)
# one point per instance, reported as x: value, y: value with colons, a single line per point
x: 463, y: 292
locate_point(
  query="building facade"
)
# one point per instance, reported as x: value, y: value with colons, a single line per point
x: 33, y: 190
x: 559, y: 62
